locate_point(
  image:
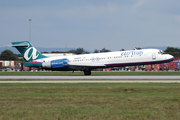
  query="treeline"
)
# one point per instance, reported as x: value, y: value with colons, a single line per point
x: 173, y: 51
x: 77, y: 51
x: 81, y: 51
x: 9, y: 55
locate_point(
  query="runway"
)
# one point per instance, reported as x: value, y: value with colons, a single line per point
x: 92, y: 79
x: 112, y: 77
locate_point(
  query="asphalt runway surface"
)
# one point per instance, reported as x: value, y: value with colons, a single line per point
x: 93, y: 79
x: 117, y: 77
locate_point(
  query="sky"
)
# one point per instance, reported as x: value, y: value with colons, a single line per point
x: 91, y: 24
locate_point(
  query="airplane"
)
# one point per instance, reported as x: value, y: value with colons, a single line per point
x: 87, y: 62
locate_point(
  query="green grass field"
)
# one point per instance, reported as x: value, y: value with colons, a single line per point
x: 90, y: 101
x: 95, y: 73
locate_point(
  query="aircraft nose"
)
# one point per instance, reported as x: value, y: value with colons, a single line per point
x: 170, y: 57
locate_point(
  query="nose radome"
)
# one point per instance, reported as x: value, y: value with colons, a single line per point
x: 169, y: 57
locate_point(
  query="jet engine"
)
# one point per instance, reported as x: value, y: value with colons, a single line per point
x: 55, y: 63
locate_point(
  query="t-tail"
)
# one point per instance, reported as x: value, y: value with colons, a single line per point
x: 27, y: 50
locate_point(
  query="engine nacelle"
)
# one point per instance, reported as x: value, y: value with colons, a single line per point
x: 55, y: 63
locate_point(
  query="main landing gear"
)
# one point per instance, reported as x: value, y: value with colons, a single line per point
x: 87, y: 72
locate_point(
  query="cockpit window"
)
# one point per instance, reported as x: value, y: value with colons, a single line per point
x: 160, y: 52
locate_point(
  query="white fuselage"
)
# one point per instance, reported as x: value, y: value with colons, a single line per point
x: 118, y: 58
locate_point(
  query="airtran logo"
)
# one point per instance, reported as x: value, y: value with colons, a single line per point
x: 31, y: 53
x: 132, y: 53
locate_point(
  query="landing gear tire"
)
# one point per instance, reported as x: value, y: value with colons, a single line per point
x: 87, y: 72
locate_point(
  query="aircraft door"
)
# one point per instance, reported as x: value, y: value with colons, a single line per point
x: 153, y: 56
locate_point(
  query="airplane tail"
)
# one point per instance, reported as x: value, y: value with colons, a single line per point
x: 27, y: 50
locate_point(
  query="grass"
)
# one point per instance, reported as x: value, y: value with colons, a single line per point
x: 95, y: 73
x: 90, y: 80
x: 97, y: 101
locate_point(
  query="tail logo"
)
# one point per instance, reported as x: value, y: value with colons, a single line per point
x: 33, y: 55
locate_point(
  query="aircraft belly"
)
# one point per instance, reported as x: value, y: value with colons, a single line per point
x: 87, y: 65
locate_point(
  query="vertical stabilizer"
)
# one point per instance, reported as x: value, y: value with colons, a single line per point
x: 27, y: 50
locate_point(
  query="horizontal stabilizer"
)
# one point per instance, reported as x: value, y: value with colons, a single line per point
x: 16, y: 44
x: 19, y: 45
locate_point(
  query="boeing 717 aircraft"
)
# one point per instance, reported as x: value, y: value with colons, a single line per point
x: 87, y: 62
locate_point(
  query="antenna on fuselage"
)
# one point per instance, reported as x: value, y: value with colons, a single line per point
x: 137, y: 48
